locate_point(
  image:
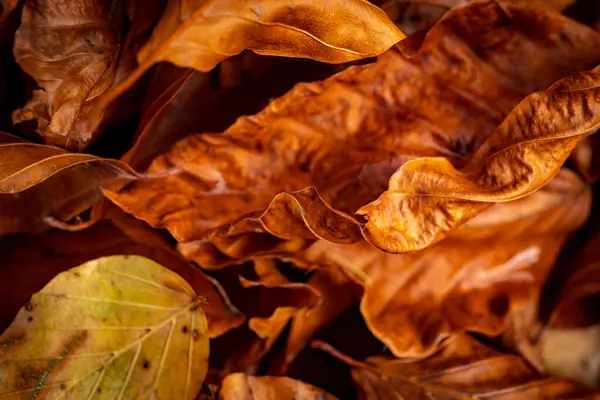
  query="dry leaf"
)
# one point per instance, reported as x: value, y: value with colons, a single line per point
x: 70, y: 48
x: 246, y: 387
x: 472, y: 281
x: 182, y: 101
x: 44, y: 186
x: 298, y: 28
x: 463, y: 369
x: 120, y: 326
x: 344, y: 138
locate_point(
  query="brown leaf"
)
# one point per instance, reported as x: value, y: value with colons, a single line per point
x: 29, y: 263
x: 569, y: 344
x: 70, y: 49
x: 338, y: 293
x: 246, y: 387
x: 326, y: 150
x: 463, y: 369
x: 181, y: 101
x: 301, y: 28
x: 472, y: 281
x: 43, y: 186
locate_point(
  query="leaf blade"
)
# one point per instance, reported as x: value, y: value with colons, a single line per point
x: 107, y: 332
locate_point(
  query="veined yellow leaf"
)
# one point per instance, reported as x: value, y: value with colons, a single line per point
x: 119, y: 327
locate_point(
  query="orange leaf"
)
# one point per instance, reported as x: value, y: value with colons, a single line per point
x: 70, y: 49
x: 463, y: 369
x: 472, y: 281
x: 327, y: 150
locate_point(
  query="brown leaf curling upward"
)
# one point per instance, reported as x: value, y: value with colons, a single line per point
x: 70, y: 48
x: 326, y: 150
x: 472, y: 281
x: 463, y: 369
x: 43, y: 186
x: 200, y: 34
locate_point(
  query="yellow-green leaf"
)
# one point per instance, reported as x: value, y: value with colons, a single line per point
x: 120, y: 327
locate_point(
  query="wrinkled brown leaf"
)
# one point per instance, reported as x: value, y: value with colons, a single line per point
x: 463, y: 369
x: 472, y: 281
x: 184, y: 101
x: 44, y: 186
x: 70, y: 48
x: 343, y: 139
x: 246, y: 387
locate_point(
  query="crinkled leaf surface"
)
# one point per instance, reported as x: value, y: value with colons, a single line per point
x: 42, y: 186
x: 246, y: 387
x: 326, y: 150
x: 115, y: 327
x: 463, y: 369
x: 472, y: 281
x: 70, y: 48
x: 182, y: 101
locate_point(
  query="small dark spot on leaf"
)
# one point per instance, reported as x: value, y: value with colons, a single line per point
x: 99, y: 390
x: 499, y: 306
x: 563, y: 36
x: 29, y: 319
x: 63, y: 386
x: 104, y: 319
x: 146, y: 364
x: 304, y: 167
x: 29, y: 306
x: 77, y: 274
x: 184, y: 330
x: 126, y: 257
x: 195, y: 334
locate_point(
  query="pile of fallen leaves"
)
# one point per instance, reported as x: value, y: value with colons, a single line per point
x: 299, y: 199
